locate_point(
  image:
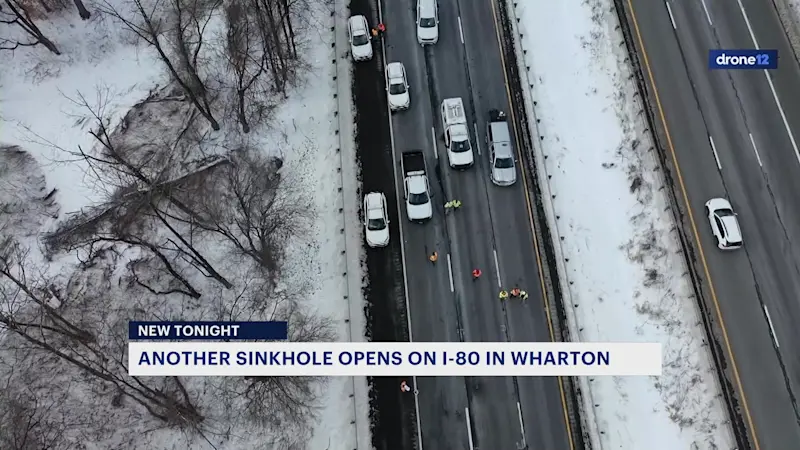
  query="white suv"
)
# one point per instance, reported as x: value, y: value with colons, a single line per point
x: 427, y: 22
x: 360, y: 39
x: 724, y: 224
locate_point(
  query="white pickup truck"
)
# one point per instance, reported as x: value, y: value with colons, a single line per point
x: 417, y: 192
x: 456, y: 134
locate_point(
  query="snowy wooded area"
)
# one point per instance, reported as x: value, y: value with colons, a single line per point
x: 165, y: 160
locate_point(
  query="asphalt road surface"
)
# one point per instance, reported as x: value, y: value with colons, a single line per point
x: 491, y: 231
x: 752, y: 161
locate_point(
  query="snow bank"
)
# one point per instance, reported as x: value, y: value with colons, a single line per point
x: 622, y: 262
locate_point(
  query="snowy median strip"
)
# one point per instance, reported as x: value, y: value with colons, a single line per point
x: 622, y: 270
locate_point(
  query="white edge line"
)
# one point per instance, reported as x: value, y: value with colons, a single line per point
x: 497, y: 269
x: 460, y: 30
x: 714, y: 149
x: 435, y: 149
x: 783, y: 116
x: 771, y: 328
x: 402, y: 246
x: 469, y: 431
x: 758, y: 157
x: 671, y: 19
x: 477, y: 138
x: 708, y: 16
x: 521, y: 425
x: 450, y: 273
x: 747, y: 22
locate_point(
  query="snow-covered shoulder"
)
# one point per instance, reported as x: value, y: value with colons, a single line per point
x: 626, y: 274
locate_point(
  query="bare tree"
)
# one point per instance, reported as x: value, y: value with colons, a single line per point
x: 277, y: 38
x: 34, y: 313
x: 285, y: 405
x: 246, y: 57
x: 251, y: 207
x: 17, y: 13
x: 144, y: 189
x: 186, y: 28
x: 30, y: 420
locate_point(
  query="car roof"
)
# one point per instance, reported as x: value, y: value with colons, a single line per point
x: 454, y: 111
x: 427, y: 7
x: 374, y: 200
x: 416, y: 185
x: 732, y: 231
x: 358, y: 23
x: 395, y: 69
x: 502, y: 150
x: 500, y: 132
x: 719, y: 203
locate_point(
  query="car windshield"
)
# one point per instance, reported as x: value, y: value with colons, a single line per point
x: 376, y: 224
x: 418, y: 199
x: 360, y: 39
x: 724, y: 212
x: 504, y: 163
x: 397, y: 89
x: 460, y: 146
x: 427, y: 22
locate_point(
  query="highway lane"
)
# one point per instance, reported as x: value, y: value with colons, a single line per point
x: 432, y: 305
x: 494, y: 402
x: 777, y: 272
x: 768, y: 161
x: 697, y: 104
x: 495, y: 406
x: 541, y: 403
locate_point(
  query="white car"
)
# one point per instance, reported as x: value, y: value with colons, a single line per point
x: 376, y: 220
x: 418, y: 199
x: 360, y: 39
x: 724, y: 224
x: 399, y: 97
x: 427, y: 22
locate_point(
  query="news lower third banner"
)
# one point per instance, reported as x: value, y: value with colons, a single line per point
x: 380, y: 359
x: 207, y: 331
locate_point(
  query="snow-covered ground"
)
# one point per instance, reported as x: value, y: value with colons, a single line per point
x: 622, y: 265
x: 39, y: 115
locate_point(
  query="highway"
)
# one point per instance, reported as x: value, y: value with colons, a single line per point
x: 491, y: 231
x: 730, y: 138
